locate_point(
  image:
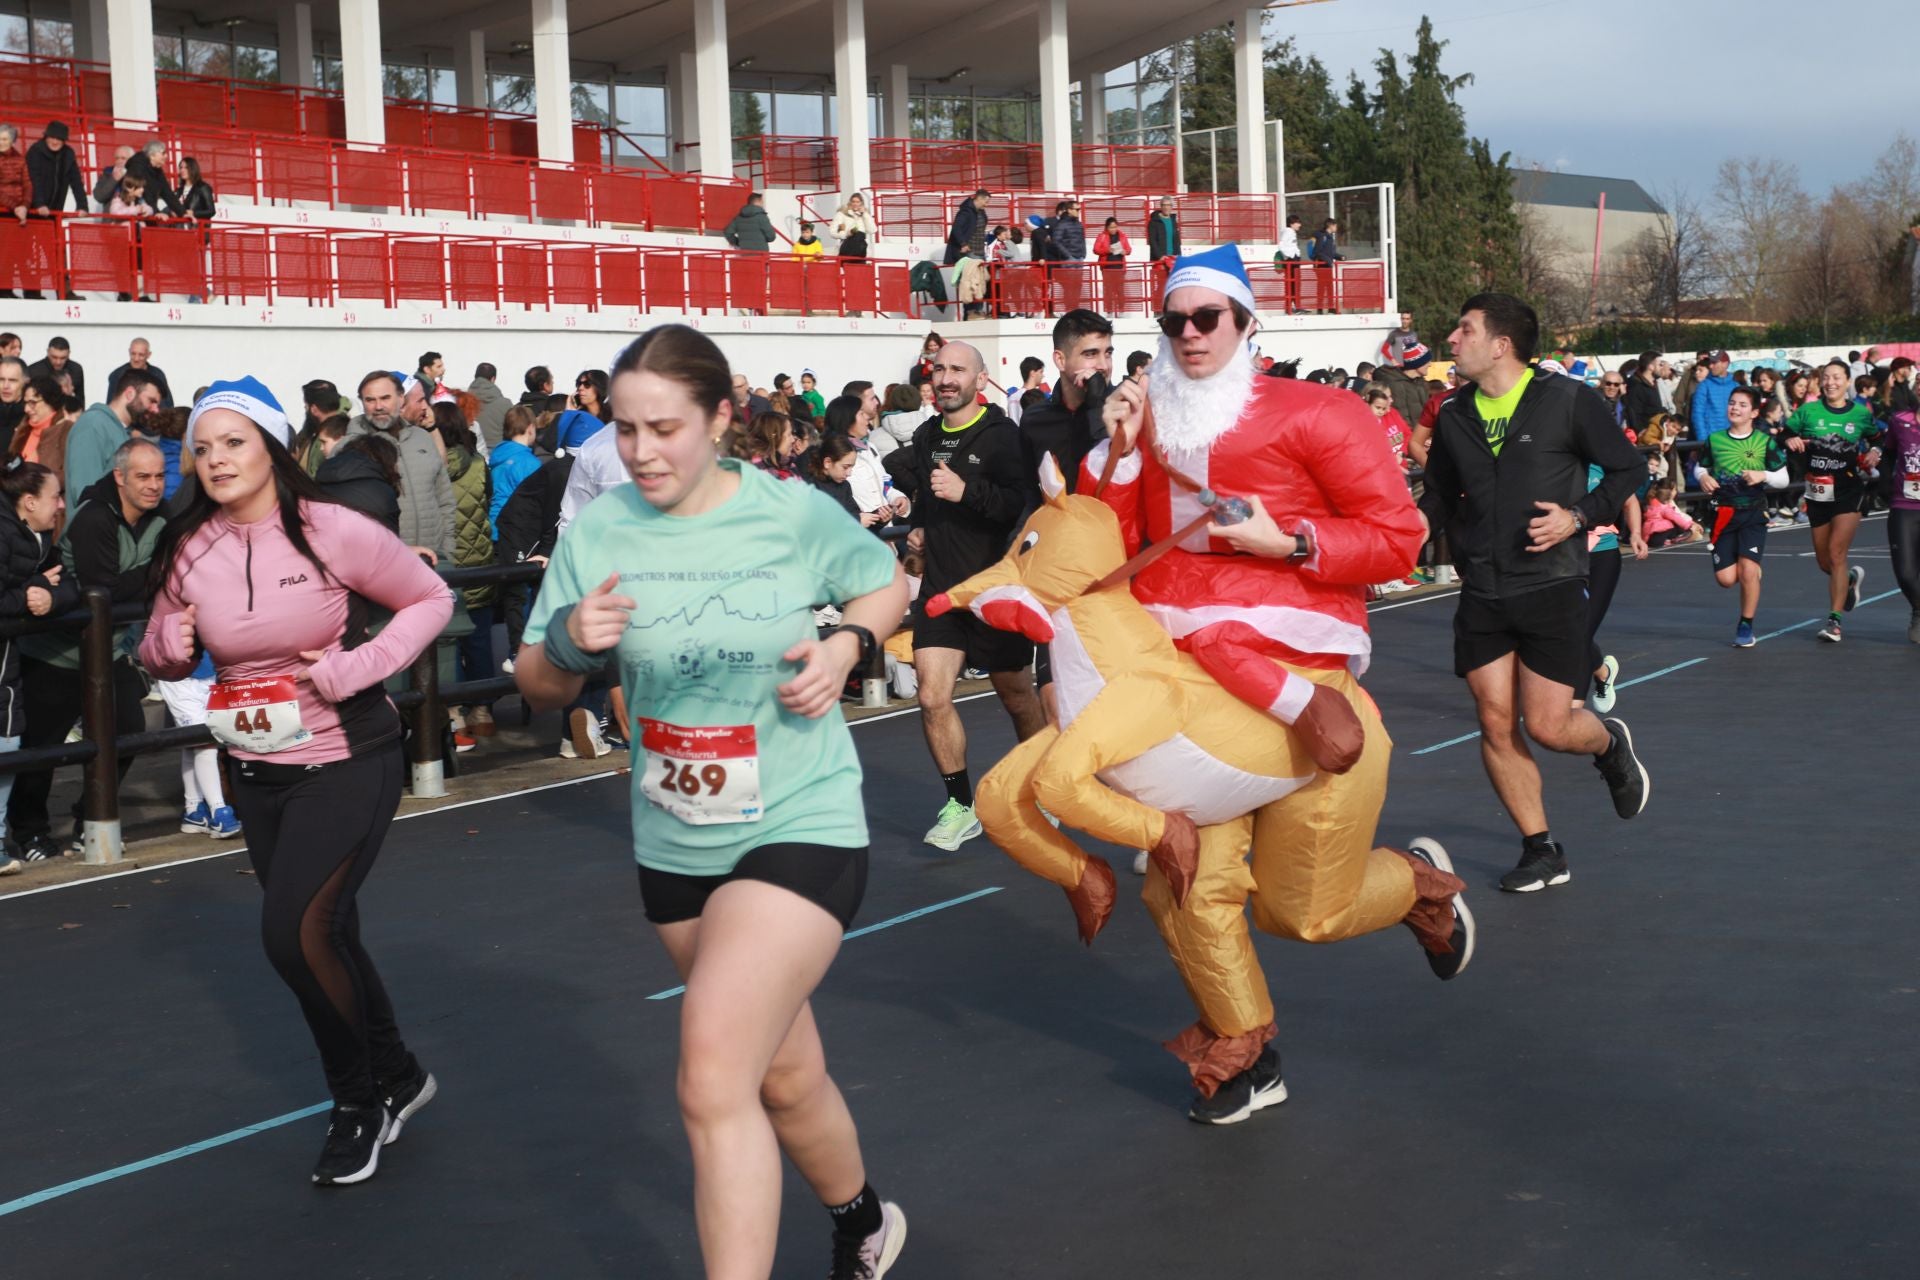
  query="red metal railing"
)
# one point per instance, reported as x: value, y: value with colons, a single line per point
x: 1133, y: 288
x: 925, y: 164
x: 249, y: 262
x: 1205, y: 217
x: 257, y: 167
x: 64, y: 88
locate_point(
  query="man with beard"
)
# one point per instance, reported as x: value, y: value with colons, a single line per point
x: 1274, y: 606
x: 962, y: 471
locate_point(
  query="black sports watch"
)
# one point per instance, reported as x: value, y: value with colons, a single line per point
x: 868, y: 645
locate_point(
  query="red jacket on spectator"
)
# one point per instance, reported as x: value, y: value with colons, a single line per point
x: 13, y: 181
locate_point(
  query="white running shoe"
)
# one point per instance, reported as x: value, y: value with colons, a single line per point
x: 873, y: 1257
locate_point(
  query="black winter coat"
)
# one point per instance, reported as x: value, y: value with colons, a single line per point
x: 52, y: 175
x: 25, y: 557
x: 159, y: 194
x: 529, y: 523
x: 353, y: 479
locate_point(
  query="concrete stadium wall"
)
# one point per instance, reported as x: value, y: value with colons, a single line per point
x: 285, y: 346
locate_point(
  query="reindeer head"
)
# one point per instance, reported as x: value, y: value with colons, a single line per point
x: 1067, y: 547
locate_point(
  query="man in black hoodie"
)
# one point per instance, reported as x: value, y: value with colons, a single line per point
x: 962, y: 471
x: 1506, y: 477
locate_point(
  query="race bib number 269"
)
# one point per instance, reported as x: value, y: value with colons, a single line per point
x: 702, y: 775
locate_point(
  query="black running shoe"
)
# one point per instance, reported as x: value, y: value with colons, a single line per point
x: 1444, y: 967
x: 1541, y: 866
x: 352, y: 1153
x: 1255, y: 1089
x: 406, y: 1096
x: 1626, y: 777
x: 40, y: 848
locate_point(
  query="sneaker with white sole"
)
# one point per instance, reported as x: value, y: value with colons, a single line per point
x: 352, y: 1150
x: 1831, y: 632
x: 1540, y: 867
x: 1451, y: 965
x: 1626, y: 777
x: 871, y: 1258
x: 10, y: 865
x: 1255, y: 1089
x: 1855, y: 576
x: 1604, y: 693
x: 954, y: 827
x: 405, y: 1097
x: 196, y: 821
x: 584, y: 741
x: 224, y: 824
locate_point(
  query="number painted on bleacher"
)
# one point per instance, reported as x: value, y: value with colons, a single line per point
x: 173, y: 313
x: 349, y: 317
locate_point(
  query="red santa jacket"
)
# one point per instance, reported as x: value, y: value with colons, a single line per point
x: 1317, y: 458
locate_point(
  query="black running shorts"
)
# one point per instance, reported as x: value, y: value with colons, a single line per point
x: 1739, y: 533
x: 1848, y: 500
x: 833, y: 879
x: 988, y: 648
x: 1546, y: 627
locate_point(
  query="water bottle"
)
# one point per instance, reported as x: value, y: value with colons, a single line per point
x: 1225, y: 509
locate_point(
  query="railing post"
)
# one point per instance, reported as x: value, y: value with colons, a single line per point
x: 100, y: 797
x: 428, y: 770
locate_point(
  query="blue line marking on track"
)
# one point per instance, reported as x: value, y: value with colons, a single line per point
x: 888, y: 923
x: 195, y: 1148
x: 165, y: 1157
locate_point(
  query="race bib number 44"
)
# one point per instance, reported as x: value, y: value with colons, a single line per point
x: 702, y: 775
x: 258, y: 716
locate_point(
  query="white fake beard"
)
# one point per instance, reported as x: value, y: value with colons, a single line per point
x: 1189, y: 414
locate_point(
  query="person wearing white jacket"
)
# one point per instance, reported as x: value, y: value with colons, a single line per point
x: 852, y: 226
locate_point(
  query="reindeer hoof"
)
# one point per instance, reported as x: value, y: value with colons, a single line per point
x: 1092, y: 899
x: 1178, y: 855
x: 1330, y: 731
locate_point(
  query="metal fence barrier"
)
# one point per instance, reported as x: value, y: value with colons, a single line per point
x: 422, y: 706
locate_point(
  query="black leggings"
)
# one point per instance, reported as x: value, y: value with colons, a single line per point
x: 1603, y: 576
x: 1903, y: 538
x: 312, y: 837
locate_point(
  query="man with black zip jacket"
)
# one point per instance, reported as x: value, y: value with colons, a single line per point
x: 1506, y: 477
x: 962, y: 470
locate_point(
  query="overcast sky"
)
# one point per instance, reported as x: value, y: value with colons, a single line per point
x: 1654, y: 90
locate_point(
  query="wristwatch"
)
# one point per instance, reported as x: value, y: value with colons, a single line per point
x: 867, y: 643
x: 1302, y: 545
x: 1579, y: 521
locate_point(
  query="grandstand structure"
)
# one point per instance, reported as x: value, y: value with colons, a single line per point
x: 355, y: 229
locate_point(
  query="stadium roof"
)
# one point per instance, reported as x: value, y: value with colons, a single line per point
x: 1582, y: 191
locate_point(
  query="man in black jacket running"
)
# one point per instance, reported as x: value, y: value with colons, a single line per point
x: 1506, y: 476
x: 962, y: 470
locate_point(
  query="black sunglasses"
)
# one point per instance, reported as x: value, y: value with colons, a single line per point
x: 584, y: 382
x: 1206, y: 320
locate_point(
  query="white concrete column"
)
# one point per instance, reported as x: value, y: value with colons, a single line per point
x: 552, y: 80
x: 1250, y: 100
x: 360, y: 83
x: 683, y: 101
x: 296, y: 44
x: 1056, y: 102
x: 90, y: 42
x: 136, y: 92
x: 470, y: 86
x: 850, y: 93
x: 713, y: 90
x: 1093, y: 108
x: 895, y: 95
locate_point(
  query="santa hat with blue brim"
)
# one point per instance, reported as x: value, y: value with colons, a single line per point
x: 248, y: 398
x: 1218, y: 269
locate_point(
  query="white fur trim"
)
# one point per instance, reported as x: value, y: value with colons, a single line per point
x: 1299, y: 629
x: 1124, y: 474
x: 256, y: 411
x: 1293, y: 699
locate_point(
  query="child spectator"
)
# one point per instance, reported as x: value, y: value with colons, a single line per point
x: 808, y: 246
x: 1664, y: 521
x: 207, y: 811
x: 30, y: 585
x: 129, y: 199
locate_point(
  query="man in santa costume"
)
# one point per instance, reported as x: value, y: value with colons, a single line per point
x: 1274, y: 607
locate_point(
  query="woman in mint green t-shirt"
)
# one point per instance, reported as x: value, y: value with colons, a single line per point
x: 701, y: 577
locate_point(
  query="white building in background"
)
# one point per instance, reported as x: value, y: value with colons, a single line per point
x: 1586, y: 229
